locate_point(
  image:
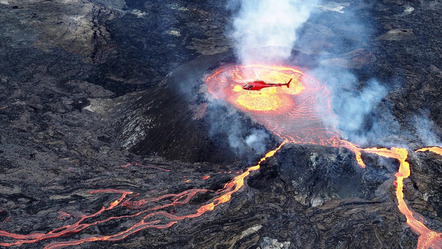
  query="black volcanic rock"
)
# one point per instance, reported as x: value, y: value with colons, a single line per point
x: 317, y: 174
x: 91, y: 97
x: 177, y: 121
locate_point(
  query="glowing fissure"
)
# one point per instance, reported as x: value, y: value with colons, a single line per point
x: 149, y: 216
x: 296, y: 120
x: 290, y: 114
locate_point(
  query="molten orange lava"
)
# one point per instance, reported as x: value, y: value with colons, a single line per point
x: 152, y: 214
x: 299, y: 120
x: 427, y: 238
x: 433, y: 149
x: 227, y: 83
x: 293, y: 114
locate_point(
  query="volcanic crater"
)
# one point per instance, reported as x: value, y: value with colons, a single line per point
x: 123, y: 126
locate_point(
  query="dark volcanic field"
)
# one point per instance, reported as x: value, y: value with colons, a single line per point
x: 88, y: 86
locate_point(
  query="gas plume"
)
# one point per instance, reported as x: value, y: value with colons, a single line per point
x: 341, y: 48
x: 265, y: 31
x: 262, y: 32
x: 256, y: 139
x: 426, y: 130
x: 355, y: 110
x: 226, y: 125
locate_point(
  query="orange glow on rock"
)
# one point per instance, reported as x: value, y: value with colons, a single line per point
x: 296, y: 119
x: 293, y: 114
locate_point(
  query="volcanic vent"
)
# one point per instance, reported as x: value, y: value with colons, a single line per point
x: 198, y: 160
x: 292, y: 115
x: 322, y: 177
x: 295, y: 115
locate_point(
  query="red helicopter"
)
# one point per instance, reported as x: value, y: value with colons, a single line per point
x: 259, y: 84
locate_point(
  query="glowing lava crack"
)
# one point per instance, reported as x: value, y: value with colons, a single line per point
x: 293, y: 115
x: 290, y: 113
x: 151, y: 214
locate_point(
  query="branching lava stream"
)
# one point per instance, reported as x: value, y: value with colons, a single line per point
x: 152, y: 214
x: 290, y: 113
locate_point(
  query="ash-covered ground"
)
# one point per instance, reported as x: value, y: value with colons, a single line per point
x: 92, y: 97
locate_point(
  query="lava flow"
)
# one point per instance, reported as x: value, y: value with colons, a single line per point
x: 434, y: 149
x: 427, y: 238
x: 296, y: 115
x: 290, y: 113
x: 151, y: 213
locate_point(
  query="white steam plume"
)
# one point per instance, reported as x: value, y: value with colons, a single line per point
x: 257, y: 140
x: 353, y: 107
x: 265, y: 31
x: 361, y: 113
x: 426, y: 130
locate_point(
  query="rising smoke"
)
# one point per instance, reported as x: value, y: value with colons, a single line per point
x: 354, y: 108
x: 426, y: 130
x: 355, y: 103
x: 227, y: 125
x: 262, y: 32
x: 265, y: 31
